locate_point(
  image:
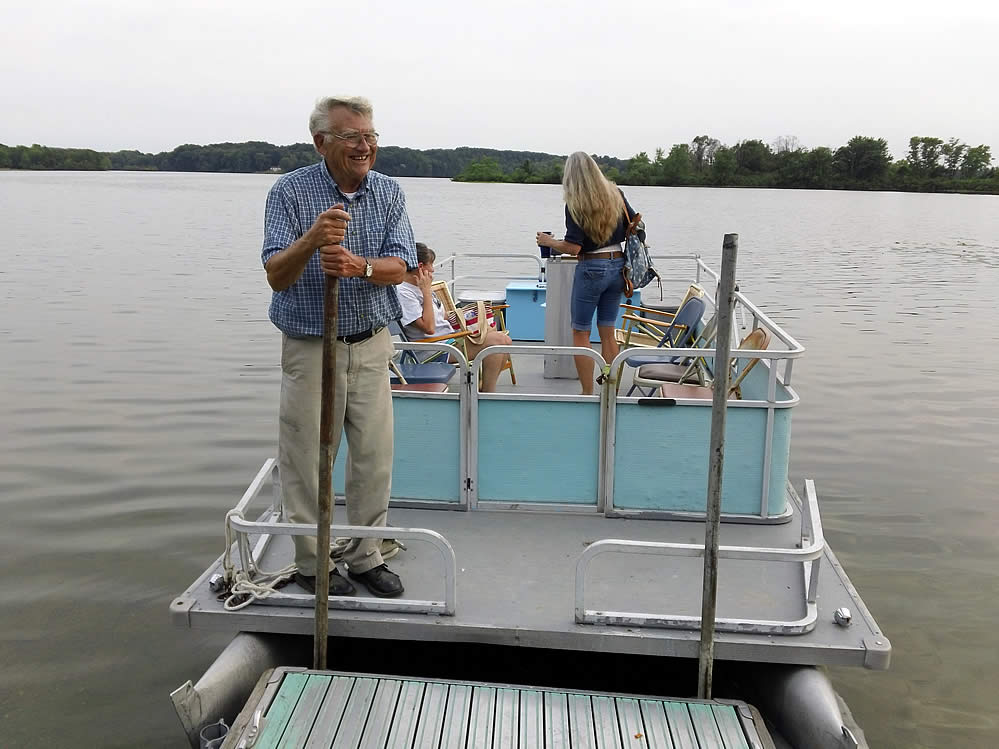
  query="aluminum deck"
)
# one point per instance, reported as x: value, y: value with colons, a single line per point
x: 300, y: 708
x: 507, y: 596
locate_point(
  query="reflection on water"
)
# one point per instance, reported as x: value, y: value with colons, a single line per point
x: 140, y: 390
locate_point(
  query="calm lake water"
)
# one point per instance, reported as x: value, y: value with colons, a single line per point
x: 139, y: 396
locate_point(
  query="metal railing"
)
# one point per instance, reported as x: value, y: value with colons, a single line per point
x: 273, y: 526
x: 808, y: 555
x: 475, y: 397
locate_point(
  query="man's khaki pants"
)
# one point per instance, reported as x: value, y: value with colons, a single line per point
x: 362, y: 409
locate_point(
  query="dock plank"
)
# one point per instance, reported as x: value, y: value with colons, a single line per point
x: 355, y: 715
x: 428, y: 735
x: 331, y: 711
x: 629, y: 716
x: 657, y: 731
x: 733, y: 737
x: 605, y: 726
x: 380, y: 716
x: 304, y: 716
x: 581, y: 722
x: 506, y: 729
x: 407, y: 716
x: 703, y: 718
x: 459, y: 700
x: 280, y: 710
x: 556, y: 721
x: 532, y: 719
x: 482, y: 715
x: 680, y: 725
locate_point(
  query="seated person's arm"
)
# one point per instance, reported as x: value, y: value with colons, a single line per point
x: 418, y: 304
x: 426, y: 321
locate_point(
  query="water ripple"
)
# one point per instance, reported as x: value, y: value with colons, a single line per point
x: 138, y: 406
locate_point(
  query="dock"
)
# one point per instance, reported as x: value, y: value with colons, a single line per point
x: 307, y: 708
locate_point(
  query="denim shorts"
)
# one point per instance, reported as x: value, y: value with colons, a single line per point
x: 597, y: 285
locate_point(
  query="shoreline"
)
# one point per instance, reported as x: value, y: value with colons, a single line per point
x: 622, y: 183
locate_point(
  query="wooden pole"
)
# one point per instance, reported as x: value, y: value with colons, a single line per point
x: 719, y: 402
x: 331, y: 305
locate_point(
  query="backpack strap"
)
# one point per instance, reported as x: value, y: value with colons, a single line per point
x: 632, y: 222
x: 632, y: 226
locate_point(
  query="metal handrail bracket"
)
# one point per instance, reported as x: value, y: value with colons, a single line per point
x: 809, y: 554
x: 447, y: 607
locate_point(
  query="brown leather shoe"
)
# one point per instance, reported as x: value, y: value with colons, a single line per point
x: 380, y: 581
x: 339, y: 585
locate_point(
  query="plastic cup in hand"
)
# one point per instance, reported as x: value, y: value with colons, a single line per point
x: 546, y: 252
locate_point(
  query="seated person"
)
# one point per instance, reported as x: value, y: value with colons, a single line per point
x: 423, y: 316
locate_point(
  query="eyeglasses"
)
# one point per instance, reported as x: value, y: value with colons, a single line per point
x: 353, y: 138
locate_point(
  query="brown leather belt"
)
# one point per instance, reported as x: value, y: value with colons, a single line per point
x: 604, y: 255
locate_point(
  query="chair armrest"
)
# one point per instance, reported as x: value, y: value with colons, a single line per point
x: 635, y: 339
x: 471, y: 305
x: 447, y: 337
x: 643, y: 325
x: 646, y: 321
x: 648, y: 310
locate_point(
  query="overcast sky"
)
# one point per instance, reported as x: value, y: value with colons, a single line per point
x: 604, y: 76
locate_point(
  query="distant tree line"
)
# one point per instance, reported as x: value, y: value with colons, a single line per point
x: 41, y: 157
x: 864, y: 163
x: 256, y: 156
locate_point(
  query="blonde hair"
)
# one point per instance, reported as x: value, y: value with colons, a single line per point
x: 594, y: 202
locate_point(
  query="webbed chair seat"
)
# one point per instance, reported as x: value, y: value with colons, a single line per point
x: 678, y: 332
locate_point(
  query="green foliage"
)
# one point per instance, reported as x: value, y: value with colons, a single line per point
x: 863, y: 160
x: 678, y: 167
x: 976, y: 161
x: 953, y: 153
x: 753, y: 157
x: 703, y: 149
x: 931, y: 164
x: 819, y: 168
x: 43, y: 157
x: 924, y: 154
x: 724, y: 166
x: 640, y: 170
x: 485, y: 169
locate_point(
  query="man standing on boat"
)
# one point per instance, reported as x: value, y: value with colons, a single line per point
x: 306, y: 235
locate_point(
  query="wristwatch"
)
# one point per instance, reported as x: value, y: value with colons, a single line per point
x: 368, y: 269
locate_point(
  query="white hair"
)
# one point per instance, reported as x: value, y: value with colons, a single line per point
x: 319, y: 120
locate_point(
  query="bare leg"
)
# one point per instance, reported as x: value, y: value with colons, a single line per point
x: 608, y: 345
x: 584, y: 364
x: 491, y: 365
x: 491, y: 368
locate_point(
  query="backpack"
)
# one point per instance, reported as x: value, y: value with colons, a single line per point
x: 638, y: 271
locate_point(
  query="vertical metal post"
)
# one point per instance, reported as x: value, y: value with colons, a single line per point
x: 716, y: 457
x: 331, y: 303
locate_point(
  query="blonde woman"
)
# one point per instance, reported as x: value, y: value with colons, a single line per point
x: 595, y: 227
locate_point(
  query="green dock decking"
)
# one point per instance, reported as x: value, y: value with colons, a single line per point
x: 303, y: 708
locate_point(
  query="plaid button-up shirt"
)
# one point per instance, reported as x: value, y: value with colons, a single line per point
x: 378, y: 227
